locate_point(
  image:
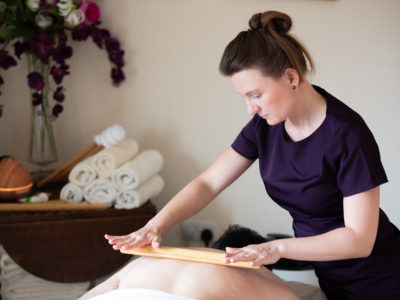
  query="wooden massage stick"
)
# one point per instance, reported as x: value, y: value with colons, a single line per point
x: 187, y: 254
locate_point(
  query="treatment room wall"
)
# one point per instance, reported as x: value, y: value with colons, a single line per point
x: 174, y: 100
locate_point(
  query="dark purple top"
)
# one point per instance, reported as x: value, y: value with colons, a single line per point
x: 309, y: 178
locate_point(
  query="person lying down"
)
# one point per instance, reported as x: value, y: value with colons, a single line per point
x: 148, y: 278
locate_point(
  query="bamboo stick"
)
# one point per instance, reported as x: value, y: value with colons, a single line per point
x: 67, y: 167
x: 187, y: 254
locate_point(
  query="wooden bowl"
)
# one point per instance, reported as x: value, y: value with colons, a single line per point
x: 15, y: 181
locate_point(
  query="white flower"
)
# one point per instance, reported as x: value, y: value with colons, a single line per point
x: 43, y: 21
x: 76, y: 17
x: 33, y: 4
x: 65, y: 7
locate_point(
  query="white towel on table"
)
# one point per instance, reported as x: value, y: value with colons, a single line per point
x: 100, y: 191
x: 71, y: 193
x: 139, y: 294
x: 135, y: 172
x: 111, y: 158
x: 135, y: 198
x: 83, y: 173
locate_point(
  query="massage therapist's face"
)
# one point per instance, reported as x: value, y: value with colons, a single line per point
x: 270, y: 98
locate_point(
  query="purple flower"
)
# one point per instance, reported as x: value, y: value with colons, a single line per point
x: 59, y: 95
x: 117, y: 75
x: 6, y: 60
x: 62, y: 37
x: 116, y: 56
x: 112, y: 44
x: 97, y: 37
x: 59, y: 73
x: 81, y: 32
x: 35, y: 81
x: 42, y: 45
x: 57, y: 109
x: 105, y: 33
x: 37, y: 98
x: 61, y: 53
x: 47, y: 6
x: 20, y: 48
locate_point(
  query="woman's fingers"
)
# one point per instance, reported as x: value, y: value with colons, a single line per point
x: 260, y: 254
x: 241, y: 255
x: 112, y: 239
x: 142, y: 237
x: 156, y: 242
x: 133, y: 243
x: 231, y: 250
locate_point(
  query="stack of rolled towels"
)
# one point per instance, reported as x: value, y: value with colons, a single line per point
x: 118, y: 175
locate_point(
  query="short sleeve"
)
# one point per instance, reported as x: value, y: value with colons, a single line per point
x: 246, y: 142
x: 359, y: 164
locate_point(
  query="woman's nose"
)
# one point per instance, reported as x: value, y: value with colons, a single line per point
x: 252, y: 108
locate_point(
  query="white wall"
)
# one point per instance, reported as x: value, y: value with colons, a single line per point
x: 174, y: 99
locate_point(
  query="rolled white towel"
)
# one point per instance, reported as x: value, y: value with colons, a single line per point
x: 83, y: 173
x: 100, y: 191
x: 71, y: 193
x: 137, y: 171
x: 136, y: 198
x: 110, y: 136
x: 111, y: 158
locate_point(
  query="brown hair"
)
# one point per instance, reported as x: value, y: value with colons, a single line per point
x: 267, y: 46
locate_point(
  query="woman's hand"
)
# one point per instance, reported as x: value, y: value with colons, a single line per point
x: 142, y: 237
x: 260, y: 254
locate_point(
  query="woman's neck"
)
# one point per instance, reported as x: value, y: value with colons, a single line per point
x: 308, y: 114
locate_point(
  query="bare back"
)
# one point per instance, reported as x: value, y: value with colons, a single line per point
x: 204, y: 281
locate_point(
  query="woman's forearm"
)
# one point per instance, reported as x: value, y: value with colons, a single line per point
x: 189, y: 201
x: 356, y: 239
x: 341, y: 243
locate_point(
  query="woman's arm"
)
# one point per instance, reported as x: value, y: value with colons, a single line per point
x: 356, y: 239
x: 190, y: 200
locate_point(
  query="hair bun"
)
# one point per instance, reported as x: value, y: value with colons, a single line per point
x: 255, y: 21
x: 271, y: 21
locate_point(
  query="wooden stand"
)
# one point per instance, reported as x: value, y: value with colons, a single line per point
x: 69, y: 246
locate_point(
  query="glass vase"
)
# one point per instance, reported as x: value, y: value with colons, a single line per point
x: 42, y: 146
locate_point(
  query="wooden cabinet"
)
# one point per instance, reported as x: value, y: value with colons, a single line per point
x: 69, y: 246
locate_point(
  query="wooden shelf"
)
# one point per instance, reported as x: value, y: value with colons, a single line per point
x: 69, y: 246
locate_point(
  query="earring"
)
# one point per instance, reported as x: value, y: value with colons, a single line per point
x: 293, y: 87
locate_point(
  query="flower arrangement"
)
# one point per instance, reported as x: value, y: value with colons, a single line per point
x: 40, y: 29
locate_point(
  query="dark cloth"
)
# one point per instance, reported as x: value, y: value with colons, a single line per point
x: 310, y: 178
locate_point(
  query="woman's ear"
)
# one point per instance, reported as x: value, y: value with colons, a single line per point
x: 292, y: 77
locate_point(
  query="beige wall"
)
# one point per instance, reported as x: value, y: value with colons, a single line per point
x: 174, y: 99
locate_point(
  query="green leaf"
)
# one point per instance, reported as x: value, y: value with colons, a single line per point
x: 8, y: 34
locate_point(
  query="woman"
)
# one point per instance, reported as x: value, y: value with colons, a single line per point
x: 318, y: 160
